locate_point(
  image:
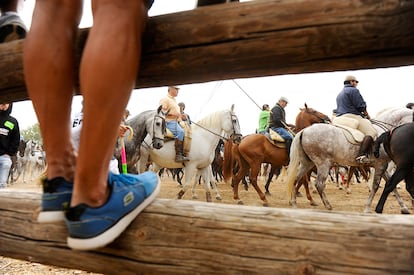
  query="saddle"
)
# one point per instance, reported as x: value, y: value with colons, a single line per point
x: 275, y: 139
x: 187, y: 136
x: 349, y: 127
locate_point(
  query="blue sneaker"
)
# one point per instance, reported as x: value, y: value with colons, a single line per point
x: 57, y: 194
x: 91, y: 228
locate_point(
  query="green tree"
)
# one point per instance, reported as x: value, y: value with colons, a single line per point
x: 33, y: 133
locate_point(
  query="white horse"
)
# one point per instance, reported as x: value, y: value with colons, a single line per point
x: 33, y: 162
x: 323, y: 145
x: 206, y: 134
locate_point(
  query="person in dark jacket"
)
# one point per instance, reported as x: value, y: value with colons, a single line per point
x: 277, y: 122
x: 9, y: 141
x: 350, y: 103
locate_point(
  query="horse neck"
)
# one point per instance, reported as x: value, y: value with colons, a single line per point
x: 395, y: 117
x: 210, y: 128
x: 302, y: 123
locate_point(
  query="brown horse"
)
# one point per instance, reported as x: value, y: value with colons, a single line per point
x: 255, y: 149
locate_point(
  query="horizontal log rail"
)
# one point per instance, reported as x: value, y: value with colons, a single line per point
x: 188, y: 237
x: 257, y: 38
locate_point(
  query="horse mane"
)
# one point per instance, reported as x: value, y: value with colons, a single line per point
x: 396, y: 116
x: 211, y: 118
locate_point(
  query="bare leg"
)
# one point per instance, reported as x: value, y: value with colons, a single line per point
x: 107, y: 74
x: 49, y: 72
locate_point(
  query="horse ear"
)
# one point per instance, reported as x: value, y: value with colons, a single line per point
x: 232, y: 108
x: 306, y: 106
x: 159, y: 108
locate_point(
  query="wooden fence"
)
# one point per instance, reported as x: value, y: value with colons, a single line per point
x: 238, y: 40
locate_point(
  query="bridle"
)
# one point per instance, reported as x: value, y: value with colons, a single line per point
x: 316, y: 114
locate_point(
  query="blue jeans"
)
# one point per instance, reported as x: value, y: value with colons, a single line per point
x: 176, y: 129
x: 283, y: 133
x: 5, y: 165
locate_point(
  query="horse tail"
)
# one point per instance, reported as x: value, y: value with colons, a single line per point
x: 384, y: 139
x: 228, y: 160
x: 296, y: 151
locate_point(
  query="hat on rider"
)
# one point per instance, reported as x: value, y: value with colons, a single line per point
x: 350, y: 78
x: 284, y: 99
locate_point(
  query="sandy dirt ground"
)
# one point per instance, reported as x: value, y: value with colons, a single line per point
x: 340, y: 200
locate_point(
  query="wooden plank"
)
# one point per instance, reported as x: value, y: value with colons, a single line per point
x: 258, y: 38
x: 187, y: 237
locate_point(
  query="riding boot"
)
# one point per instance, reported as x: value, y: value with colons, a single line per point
x: 288, y: 143
x: 179, y: 151
x: 365, y: 149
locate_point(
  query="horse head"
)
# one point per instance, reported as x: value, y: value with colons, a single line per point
x: 235, y: 133
x: 22, y: 148
x: 308, y: 116
x: 158, y: 128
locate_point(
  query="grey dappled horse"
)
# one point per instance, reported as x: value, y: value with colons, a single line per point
x: 323, y: 145
x: 152, y: 123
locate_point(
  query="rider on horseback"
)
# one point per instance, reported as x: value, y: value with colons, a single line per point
x: 351, y: 104
x: 277, y: 122
x: 172, y: 120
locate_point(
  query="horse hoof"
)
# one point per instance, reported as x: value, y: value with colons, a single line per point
x: 367, y: 211
x: 194, y: 197
x: 266, y: 204
x: 299, y: 195
x: 312, y: 203
x: 240, y: 203
x: 405, y: 211
x: 180, y: 195
x: 208, y: 198
x: 267, y: 193
x: 218, y: 198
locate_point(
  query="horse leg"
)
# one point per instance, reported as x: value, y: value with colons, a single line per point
x: 379, y: 173
x: 351, y: 172
x: 409, y: 185
x: 193, y: 189
x: 213, y: 184
x: 305, y: 181
x: 273, y: 171
x: 298, y: 185
x: 188, y: 175
x: 254, y: 173
x: 320, y: 185
x: 409, y: 180
x: 390, y: 185
x: 242, y: 171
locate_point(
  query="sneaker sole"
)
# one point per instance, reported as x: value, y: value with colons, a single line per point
x: 50, y: 216
x: 112, y: 233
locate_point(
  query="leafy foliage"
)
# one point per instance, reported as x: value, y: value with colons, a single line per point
x: 33, y: 133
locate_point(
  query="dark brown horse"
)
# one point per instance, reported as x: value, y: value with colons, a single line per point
x: 255, y: 149
x: 398, y: 144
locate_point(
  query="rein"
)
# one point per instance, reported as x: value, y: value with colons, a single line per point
x: 218, y: 135
x: 208, y: 130
x: 383, y: 125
